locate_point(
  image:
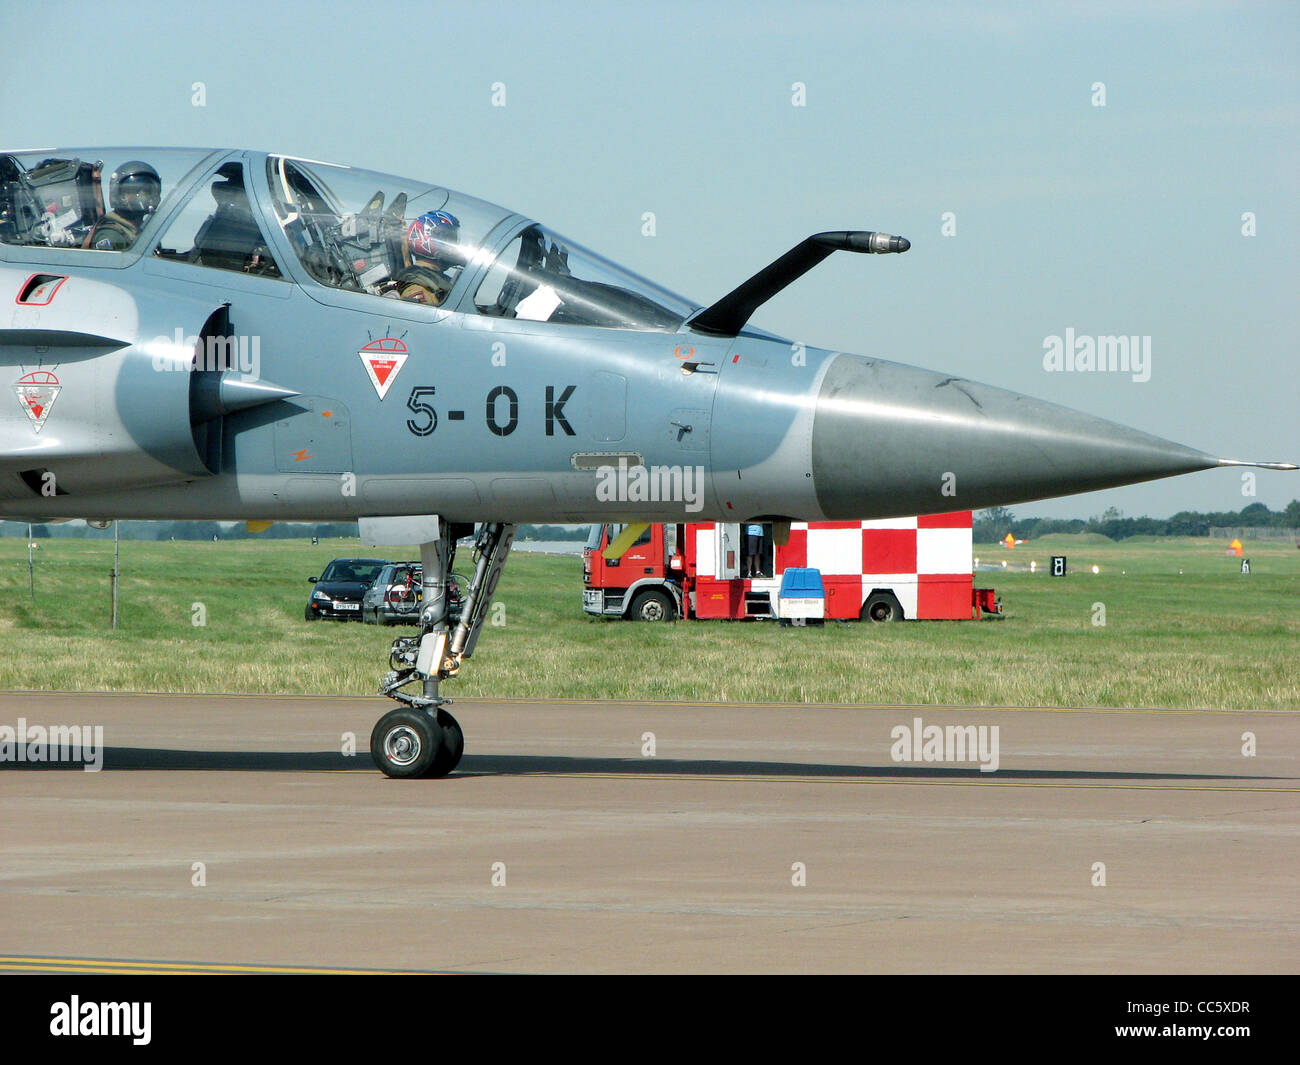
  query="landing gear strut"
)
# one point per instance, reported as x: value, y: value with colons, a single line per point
x: 421, y: 738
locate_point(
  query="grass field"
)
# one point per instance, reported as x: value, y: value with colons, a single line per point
x: 1183, y: 629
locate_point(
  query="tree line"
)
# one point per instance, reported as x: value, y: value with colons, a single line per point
x: 996, y: 522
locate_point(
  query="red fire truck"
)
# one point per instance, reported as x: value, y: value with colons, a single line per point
x: 913, y: 568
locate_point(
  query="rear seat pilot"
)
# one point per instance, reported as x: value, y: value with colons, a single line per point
x: 134, y: 193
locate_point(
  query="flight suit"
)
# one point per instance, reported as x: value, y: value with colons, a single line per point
x: 423, y: 284
x: 113, y: 233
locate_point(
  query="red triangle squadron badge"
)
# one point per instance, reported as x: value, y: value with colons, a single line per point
x: 383, y: 359
x: 37, y: 392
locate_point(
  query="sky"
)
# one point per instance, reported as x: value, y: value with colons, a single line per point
x: 1091, y: 163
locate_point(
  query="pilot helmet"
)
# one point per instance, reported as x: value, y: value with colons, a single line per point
x: 435, y: 236
x: 135, y: 190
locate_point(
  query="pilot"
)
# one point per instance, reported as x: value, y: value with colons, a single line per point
x: 436, y: 258
x: 133, y: 195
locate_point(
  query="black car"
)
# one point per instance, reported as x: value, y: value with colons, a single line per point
x: 340, y: 589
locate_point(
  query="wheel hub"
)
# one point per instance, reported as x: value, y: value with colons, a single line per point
x: 402, y: 745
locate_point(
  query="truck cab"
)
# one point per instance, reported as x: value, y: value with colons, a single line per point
x: 644, y: 584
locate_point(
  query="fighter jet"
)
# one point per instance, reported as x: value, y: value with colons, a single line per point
x: 228, y: 334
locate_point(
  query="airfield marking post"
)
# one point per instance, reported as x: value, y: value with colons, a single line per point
x: 117, y: 526
x: 31, y: 572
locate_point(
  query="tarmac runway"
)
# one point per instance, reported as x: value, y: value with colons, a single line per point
x: 755, y: 839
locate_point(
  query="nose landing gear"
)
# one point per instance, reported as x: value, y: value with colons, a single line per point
x: 421, y: 738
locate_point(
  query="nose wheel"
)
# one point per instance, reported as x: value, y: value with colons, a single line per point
x: 453, y: 745
x: 414, y: 743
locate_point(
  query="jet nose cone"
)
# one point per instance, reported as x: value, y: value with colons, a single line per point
x: 893, y: 440
x: 903, y: 243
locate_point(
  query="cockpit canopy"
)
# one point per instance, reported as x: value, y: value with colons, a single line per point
x: 368, y: 232
x: 351, y: 230
x: 58, y: 199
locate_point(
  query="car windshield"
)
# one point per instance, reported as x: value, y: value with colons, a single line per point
x: 352, y: 569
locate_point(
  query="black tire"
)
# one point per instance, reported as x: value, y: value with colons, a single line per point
x: 453, y: 746
x: 308, y: 613
x: 881, y: 607
x: 406, y: 743
x: 652, y: 605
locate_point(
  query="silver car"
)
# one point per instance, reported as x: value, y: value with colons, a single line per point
x: 395, y: 596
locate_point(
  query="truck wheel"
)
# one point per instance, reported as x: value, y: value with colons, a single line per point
x: 652, y: 605
x: 881, y: 607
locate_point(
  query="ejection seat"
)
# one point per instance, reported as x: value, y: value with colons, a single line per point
x: 230, y: 239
